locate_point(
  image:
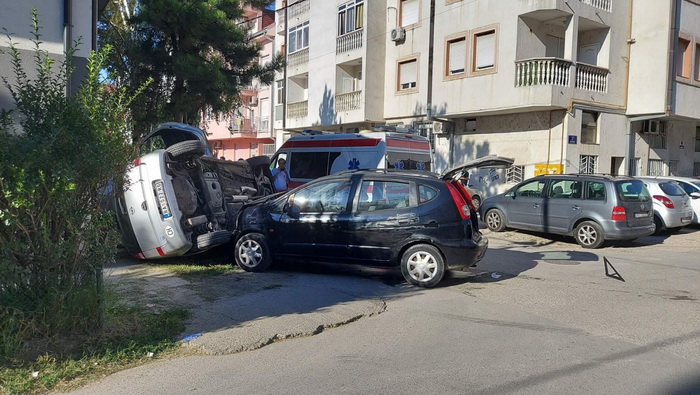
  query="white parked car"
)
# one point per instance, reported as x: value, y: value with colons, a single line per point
x: 691, y: 186
x: 672, y: 209
x: 178, y: 199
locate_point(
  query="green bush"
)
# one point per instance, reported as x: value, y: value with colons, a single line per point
x: 58, y: 154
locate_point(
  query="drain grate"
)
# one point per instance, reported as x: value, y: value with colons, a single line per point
x: 561, y: 262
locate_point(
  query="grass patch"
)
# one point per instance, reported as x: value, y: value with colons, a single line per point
x: 194, y: 271
x: 129, y: 336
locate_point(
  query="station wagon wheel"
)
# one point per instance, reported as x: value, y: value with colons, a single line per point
x: 422, y: 265
x: 495, y: 220
x: 589, y: 234
x: 253, y: 253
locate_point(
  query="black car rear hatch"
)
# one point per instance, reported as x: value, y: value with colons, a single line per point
x: 487, y: 161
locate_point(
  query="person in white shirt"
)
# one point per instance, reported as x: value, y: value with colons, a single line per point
x: 280, y: 176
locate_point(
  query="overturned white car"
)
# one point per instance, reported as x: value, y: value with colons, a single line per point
x: 179, y: 200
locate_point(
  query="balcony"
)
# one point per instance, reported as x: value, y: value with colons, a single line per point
x: 542, y: 71
x: 605, y: 5
x: 298, y: 58
x: 300, y: 7
x: 348, y: 42
x: 553, y: 71
x: 298, y: 109
x: 348, y: 101
x: 591, y: 78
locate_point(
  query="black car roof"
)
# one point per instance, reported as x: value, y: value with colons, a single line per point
x: 609, y: 177
x: 392, y: 173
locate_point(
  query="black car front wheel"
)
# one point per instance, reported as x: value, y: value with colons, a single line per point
x: 422, y: 265
x: 253, y: 253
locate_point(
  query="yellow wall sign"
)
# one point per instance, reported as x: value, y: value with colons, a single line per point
x: 548, y: 169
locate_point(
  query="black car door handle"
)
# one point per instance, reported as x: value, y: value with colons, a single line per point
x: 536, y: 205
x: 576, y: 207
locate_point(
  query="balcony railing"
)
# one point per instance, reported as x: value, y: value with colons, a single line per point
x: 552, y: 71
x: 298, y: 8
x: 542, y: 71
x: 298, y: 109
x: 350, y: 41
x: 605, y: 5
x: 298, y: 58
x: 348, y: 101
x: 591, y: 78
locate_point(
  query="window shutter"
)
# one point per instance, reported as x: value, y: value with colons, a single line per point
x: 458, y: 56
x: 407, y: 73
x: 359, y: 16
x: 409, y: 12
x: 485, y: 51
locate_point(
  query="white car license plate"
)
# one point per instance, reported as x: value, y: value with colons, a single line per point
x: 686, y: 219
x: 162, y: 202
x: 641, y: 215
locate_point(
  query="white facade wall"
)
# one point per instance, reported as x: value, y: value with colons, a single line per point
x: 617, y: 63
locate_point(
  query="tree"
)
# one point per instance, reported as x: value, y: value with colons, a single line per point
x: 197, y: 52
x: 55, y: 168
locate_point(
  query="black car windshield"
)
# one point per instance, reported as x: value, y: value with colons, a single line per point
x: 671, y: 189
x: 633, y: 190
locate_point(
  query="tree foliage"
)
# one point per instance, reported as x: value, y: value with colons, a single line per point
x: 198, y: 52
x: 58, y: 154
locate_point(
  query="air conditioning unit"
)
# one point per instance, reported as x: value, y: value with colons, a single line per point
x: 653, y: 127
x: 253, y: 101
x: 437, y: 128
x: 398, y: 34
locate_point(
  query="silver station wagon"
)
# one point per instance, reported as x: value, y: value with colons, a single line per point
x: 591, y: 208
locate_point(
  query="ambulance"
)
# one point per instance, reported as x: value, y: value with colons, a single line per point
x: 313, y: 155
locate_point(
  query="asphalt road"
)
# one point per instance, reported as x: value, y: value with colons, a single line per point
x: 538, y: 316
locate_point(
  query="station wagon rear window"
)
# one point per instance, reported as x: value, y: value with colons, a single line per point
x: 632, y: 191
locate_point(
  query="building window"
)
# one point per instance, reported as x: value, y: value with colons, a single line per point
x: 697, y: 139
x: 657, y: 141
x: 555, y: 46
x: 456, y: 56
x: 514, y: 174
x: 683, y: 58
x: 485, y: 50
x: 656, y: 168
x: 409, y: 13
x: 589, y: 164
x: 299, y: 37
x: 696, y: 169
x: 279, y: 91
x: 673, y: 168
x: 697, y: 62
x: 350, y: 17
x: 408, y: 75
x: 589, y: 127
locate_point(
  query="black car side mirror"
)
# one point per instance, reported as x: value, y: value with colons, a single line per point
x: 695, y: 195
x: 292, y: 211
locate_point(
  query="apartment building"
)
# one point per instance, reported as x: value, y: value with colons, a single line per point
x: 62, y: 22
x: 335, y: 53
x: 247, y: 132
x: 582, y: 86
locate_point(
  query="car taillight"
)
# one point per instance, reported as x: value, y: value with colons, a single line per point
x: 664, y: 200
x: 619, y: 214
x: 139, y: 255
x: 461, y: 204
x: 137, y: 161
x: 160, y: 251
